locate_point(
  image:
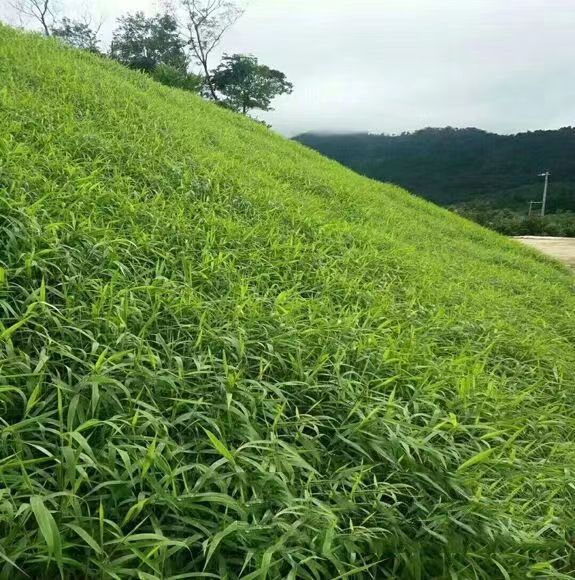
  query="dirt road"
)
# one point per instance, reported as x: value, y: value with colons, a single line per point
x: 559, y: 248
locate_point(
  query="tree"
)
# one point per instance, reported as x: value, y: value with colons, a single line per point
x: 205, y: 22
x: 247, y: 85
x: 40, y: 10
x: 77, y: 34
x: 144, y: 43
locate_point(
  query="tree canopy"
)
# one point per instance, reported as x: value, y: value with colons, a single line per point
x: 144, y: 43
x: 451, y: 166
x: 77, y: 34
x: 248, y: 85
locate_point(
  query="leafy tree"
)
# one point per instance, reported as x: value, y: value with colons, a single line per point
x: 247, y: 85
x: 204, y: 23
x: 144, y: 43
x: 77, y: 34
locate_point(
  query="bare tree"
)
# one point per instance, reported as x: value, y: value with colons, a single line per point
x: 204, y: 23
x: 40, y: 10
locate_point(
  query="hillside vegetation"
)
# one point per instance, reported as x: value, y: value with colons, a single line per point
x: 223, y: 356
x: 480, y: 172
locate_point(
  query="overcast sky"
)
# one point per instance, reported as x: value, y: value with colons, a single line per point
x: 397, y: 65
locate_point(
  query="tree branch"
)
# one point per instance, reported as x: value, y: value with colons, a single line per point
x: 37, y: 9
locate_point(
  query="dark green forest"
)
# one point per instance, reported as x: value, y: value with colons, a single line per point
x: 488, y: 177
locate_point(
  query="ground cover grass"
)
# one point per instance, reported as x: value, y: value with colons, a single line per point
x: 223, y: 356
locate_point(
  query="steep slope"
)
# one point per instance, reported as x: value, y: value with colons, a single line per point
x: 223, y: 355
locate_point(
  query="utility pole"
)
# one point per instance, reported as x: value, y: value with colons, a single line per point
x: 544, y: 202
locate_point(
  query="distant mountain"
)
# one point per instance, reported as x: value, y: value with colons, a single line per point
x: 454, y: 166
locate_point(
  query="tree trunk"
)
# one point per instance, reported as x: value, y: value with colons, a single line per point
x: 43, y: 18
x: 209, y: 81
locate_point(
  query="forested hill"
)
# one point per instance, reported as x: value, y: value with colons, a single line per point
x: 451, y: 166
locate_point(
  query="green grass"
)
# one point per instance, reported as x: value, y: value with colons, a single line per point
x: 222, y: 355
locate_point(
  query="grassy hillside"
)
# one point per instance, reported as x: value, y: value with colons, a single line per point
x: 222, y: 355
